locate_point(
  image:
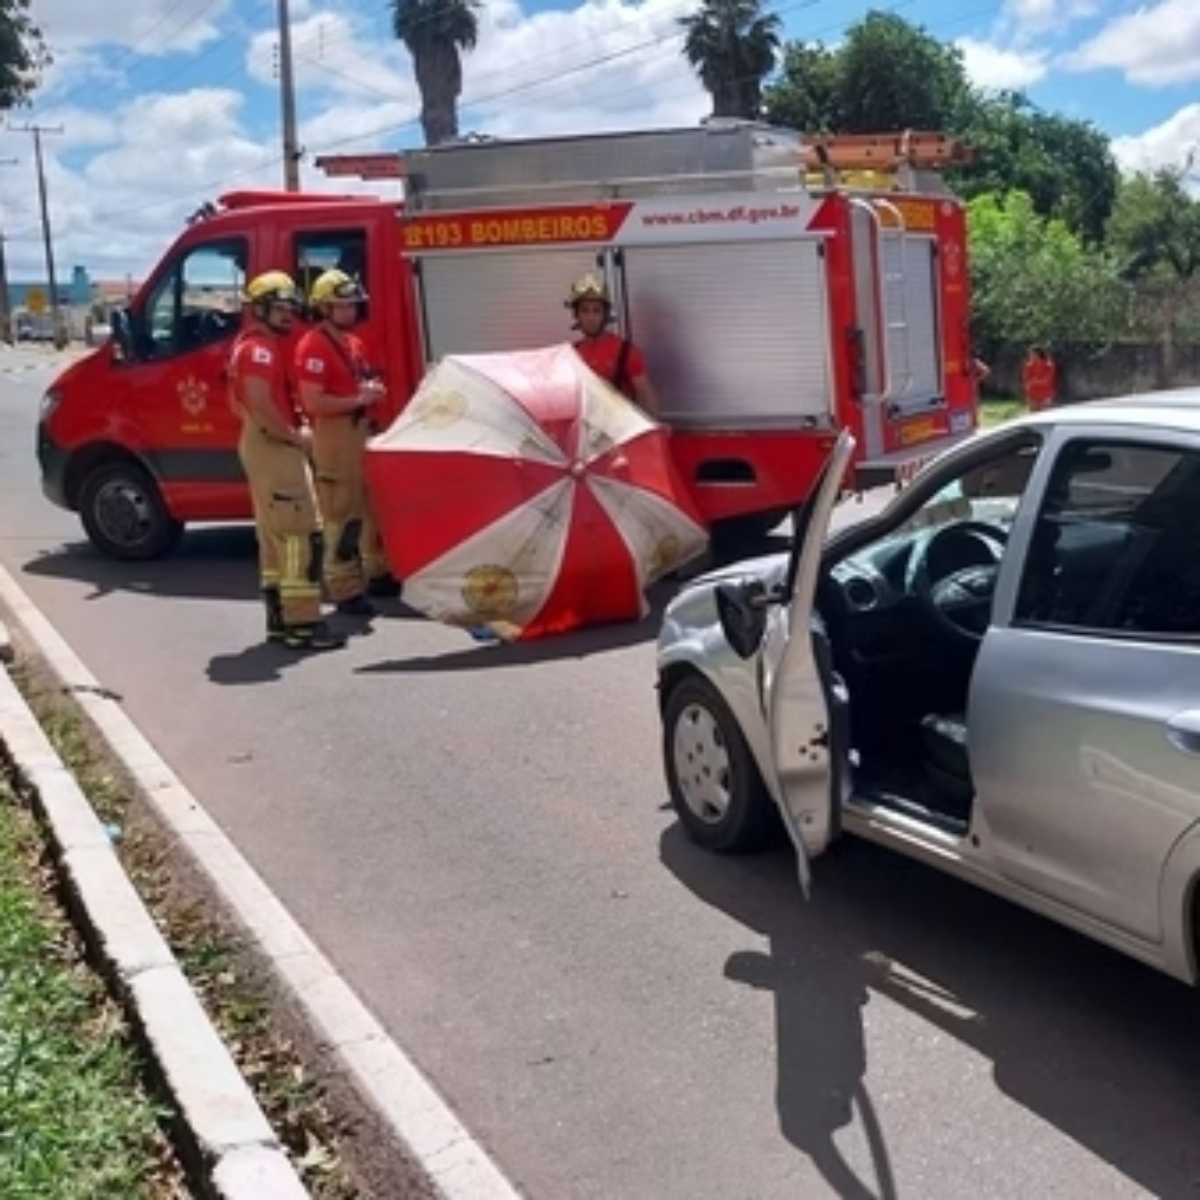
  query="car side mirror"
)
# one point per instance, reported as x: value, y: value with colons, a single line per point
x: 742, y: 611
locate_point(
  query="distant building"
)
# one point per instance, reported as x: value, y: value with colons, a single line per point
x: 81, y: 292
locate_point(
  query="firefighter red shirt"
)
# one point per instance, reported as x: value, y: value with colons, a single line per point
x: 603, y: 355
x: 337, y: 367
x: 1041, y: 382
x: 260, y: 355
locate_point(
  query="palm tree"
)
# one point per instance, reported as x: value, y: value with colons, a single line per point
x: 732, y: 44
x: 436, y: 32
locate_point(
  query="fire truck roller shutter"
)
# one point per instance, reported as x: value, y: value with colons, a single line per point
x: 910, y: 272
x: 490, y: 303
x: 736, y: 334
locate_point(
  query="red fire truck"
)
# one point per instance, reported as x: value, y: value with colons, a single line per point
x: 778, y: 297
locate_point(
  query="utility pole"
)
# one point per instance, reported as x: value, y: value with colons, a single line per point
x: 287, y: 88
x: 47, y: 236
x: 6, y: 322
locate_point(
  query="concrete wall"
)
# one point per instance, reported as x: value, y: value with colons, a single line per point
x: 1121, y: 369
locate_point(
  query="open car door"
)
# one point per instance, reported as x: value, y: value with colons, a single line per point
x: 797, y: 685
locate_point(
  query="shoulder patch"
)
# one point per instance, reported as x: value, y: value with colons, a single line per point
x: 315, y: 365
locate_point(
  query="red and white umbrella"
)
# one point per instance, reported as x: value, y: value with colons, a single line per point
x: 521, y: 492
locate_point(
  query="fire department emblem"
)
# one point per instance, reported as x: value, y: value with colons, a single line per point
x: 666, y: 556
x: 490, y: 591
x: 193, y: 395
x: 440, y: 409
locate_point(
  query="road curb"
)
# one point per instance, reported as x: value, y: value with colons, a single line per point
x: 385, y: 1078
x: 215, y: 1102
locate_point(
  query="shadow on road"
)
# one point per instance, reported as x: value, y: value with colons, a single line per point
x: 583, y: 643
x: 210, y: 564
x: 1100, y: 1048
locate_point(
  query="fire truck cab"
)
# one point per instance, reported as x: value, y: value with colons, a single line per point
x: 778, y: 293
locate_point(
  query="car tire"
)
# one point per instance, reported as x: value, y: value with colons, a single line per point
x: 716, y: 789
x: 123, y: 513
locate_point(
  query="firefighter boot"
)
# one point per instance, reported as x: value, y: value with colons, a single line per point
x: 312, y: 638
x: 274, y: 602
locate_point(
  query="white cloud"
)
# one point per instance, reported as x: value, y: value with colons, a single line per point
x: 1167, y: 145
x: 1023, y: 22
x: 130, y: 166
x: 994, y: 67
x: 152, y: 27
x: 1154, y: 46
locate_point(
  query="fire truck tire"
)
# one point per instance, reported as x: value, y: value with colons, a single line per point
x: 716, y: 789
x: 123, y: 512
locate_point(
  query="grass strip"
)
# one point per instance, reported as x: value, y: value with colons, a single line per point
x: 315, y: 1128
x: 76, y: 1122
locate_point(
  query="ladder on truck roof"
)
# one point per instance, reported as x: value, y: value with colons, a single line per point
x: 654, y: 160
x: 908, y: 161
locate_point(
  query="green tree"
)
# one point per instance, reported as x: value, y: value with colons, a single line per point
x: 437, y: 32
x: 887, y: 76
x: 1155, y: 234
x: 891, y: 75
x: 1034, y: 281
x: 1065, y: 166
x: 23, y: 54
x: 807, y: 94
x: 732, y: 44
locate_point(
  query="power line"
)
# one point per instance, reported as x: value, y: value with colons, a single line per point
x: 557, y: 77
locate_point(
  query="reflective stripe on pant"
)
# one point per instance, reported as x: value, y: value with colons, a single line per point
x: 285, y: 517
x: 353, y: 548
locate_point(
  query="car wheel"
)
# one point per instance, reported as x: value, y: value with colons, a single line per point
x: 716, y: 789
x: 124, y: 515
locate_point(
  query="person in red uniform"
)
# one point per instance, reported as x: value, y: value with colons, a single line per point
x: 337, y: 392
x: 273, y: 449
x: 1039, y: 379
x: 612, y: 357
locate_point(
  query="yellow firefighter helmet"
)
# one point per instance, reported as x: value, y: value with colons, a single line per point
x: 335, y: 285
x: 272, y: 287
x: 587, y: 288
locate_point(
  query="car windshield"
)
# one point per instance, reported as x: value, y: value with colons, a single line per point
x: 989, y: 493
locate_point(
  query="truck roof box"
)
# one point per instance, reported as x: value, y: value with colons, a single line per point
x: 713, y: 157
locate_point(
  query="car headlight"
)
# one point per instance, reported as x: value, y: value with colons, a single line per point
x: 51, y: 399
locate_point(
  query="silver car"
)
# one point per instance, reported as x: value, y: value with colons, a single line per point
x: 998, y: 675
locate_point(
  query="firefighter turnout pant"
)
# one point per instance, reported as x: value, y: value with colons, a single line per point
x: 288, y: 528
x: 353, y: 548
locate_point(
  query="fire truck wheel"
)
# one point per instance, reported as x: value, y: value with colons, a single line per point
x: 124, y: 515
x: 743, y: 537
x: 716, y: 790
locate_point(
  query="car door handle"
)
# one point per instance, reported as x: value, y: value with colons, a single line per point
x: 1183, y: 731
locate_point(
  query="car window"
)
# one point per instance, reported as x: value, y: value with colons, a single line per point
x: 1116, y: 546
x: 196, y: 302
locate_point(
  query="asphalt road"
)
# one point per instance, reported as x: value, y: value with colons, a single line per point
x: 477, y: 837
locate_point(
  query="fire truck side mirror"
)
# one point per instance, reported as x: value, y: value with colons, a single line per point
x: 122, y: 336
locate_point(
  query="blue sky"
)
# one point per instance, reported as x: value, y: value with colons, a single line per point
x: 165, y: 103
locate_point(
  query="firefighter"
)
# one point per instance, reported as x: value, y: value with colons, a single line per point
x: 1039, y: 378
x: 273, y: 449
x: 612, y: 357
x: 337, y: 393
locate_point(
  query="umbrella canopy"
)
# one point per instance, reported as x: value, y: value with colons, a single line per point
x: 520, y: 491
